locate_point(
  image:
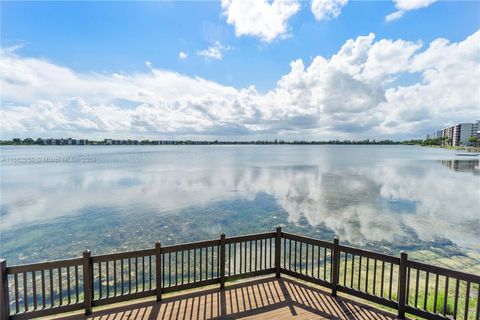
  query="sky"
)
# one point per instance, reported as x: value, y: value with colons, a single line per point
x: 238, y: 69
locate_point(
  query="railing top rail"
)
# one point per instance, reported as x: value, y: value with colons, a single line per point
x: 443, y: 271
x: 123, y: 255
x: 190, y: 246
x: 249, y: 237
x: 296, y: 237
x: 44, y: 265
x: 370, y: 254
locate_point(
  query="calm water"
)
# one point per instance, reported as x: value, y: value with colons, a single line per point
x: 390, y: 198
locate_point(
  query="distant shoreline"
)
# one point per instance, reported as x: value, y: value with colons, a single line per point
x: 108, y: 142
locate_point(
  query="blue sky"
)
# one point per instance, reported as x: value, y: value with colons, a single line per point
x: 135, y: 38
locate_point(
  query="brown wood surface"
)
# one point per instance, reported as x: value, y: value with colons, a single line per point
x: 268, y: 298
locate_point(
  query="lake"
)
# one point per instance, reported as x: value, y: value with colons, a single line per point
x: 57, y: 201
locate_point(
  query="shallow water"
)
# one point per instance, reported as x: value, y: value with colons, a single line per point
x: 386, y: 198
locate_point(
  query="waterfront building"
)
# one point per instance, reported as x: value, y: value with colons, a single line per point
x: 458, y: 134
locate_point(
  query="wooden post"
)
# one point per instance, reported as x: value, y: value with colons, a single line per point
x: 158, y: 269
x: 278, y: 243
x: 336, y: 265
x: 222, y: 260
x: 4, y: 297
x: 402, y: 284
x: 87, y: 282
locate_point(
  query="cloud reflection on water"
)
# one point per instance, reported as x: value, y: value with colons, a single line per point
x: 388, y: 201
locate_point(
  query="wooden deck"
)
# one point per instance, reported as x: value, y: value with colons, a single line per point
x: 267, y: 298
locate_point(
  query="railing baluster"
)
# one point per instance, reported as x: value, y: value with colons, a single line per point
x: 270, y: 252
x: 366, y: 275
x: 52, y: 297
x: 25, y: 292
x: 445, y: 296
x: 426, y: 292
x: 455, y: 304
x: 313, y: 257
x: 467, y: 300
x: 222, y: 260
x: 289, y: 254
x: 306, y: 259
x: 383, y: 279
x: 250, y: 258
x: 136, y: 274
x: 325, y: 263
x: 374, y: 276
x: 163, y: 270
x: 408, y: 283
x: 235, y: 258
x: 114, y: 277
x: 353, y: 271
x: 69, y: 291
x: 256, y: 255
x: 200, y: 277
x: 15, y: 279
x: 416, y: 287
x: 176, y: 267
x: 206, y: 263
x: 76, y: 284
x: 295, y: 258
x: 319, y: 253
x: 478, y: 302
x: 301, y: 257
x: 359, y: 274
x: 107, y: 278
x: 188, y: 265
x: 245, y: 258
x: 436, y: 294
x: 129, y: 275
x: 194, y: 265
x: 100, y: 285
x: 183, y: 273
x: 149, y: 272
x: 34, y: 290
x: 169, y: 269
x: 265, y: 249
x: 159, y: 271
x: 122, y: 276
x: 212, y: 262
x: 391, y: 279
x: 143, y: 273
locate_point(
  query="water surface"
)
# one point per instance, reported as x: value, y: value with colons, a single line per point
x: 386, y: 198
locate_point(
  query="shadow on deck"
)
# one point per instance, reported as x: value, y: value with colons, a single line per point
x: 268, y: 298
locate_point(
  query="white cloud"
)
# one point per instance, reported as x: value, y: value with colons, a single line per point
x: 356, y: 93
x: 214, y: 52
x: 182, y: 55
x: 327, y: 9
x: 407, y: 5
x: 260, y: 18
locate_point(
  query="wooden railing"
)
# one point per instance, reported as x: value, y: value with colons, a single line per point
x: 40, y: 289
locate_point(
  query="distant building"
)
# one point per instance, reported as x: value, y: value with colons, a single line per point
x: 458, y: 134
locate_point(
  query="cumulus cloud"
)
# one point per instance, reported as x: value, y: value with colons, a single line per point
x: 214, y: 52
x: 353, y: 94
x: 182, y: 55
x: 260, y: 18
x: 407, y: 5
x: 327, y: 9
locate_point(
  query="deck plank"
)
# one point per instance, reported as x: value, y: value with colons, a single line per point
x: 267, y: 298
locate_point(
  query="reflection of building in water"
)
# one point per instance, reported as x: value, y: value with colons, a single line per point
x: 462, y: 165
